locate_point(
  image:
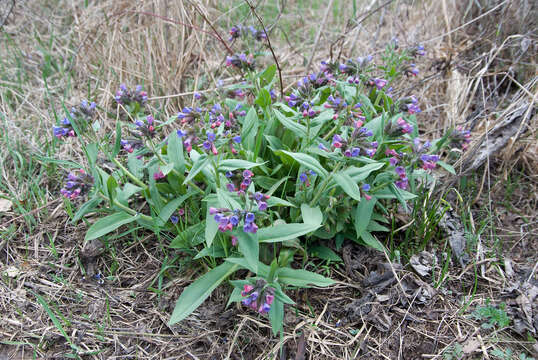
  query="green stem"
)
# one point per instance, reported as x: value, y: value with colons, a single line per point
x: 325, y: 184
x: 127, y: 209
x: 129, y: 174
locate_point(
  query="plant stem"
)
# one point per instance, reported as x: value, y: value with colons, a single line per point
x: 325, y: 183
x: 129, y: 174
x: 126, y: 208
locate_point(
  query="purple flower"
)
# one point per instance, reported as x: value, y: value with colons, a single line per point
x: 237, y: 139
x: 181, y: 133
x: 366, y: 187
x: 174, y: 219
x: 400, y: 170
x: 249, y: 217
x: 250, y: 227
x: 262, y: 206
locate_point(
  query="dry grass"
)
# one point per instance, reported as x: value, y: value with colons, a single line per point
x: 476, y: 72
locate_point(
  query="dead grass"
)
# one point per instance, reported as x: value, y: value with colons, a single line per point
x: 477, y: 70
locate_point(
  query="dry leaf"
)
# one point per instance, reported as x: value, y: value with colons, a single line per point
x: 5, y: 205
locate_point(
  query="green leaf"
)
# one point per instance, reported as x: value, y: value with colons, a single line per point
x: 250, y: 129
x: 358, y: 174
x: 211, y: 226
x: 371, y: 241
x: 293, y: 125
x: 363, y: 214
x: 117, y: 144
x: 87, y: 207
x: 91, y: 154
x: 111, y: 185
x: 175, y: 152
x: 195, y: 294
x: 323, y: 252
x: 107, y: 224
x: 283, y: 232
x: 309, y: 162
x: 348, y: 185
x: 268, y: 74
x: 234, y: 164
x: 447, y: 167
x: 127, y: 191
x: 302, y: 278
x: 66, y: 163
x: 191, y: 236
x: 169, y: 208
x: 198, y: 166
x: 275, y: 201
x: 264, y: 98
x: 135, y: 166
x: 311, y: 215
x: 249, y: 247
x: 276, y: 316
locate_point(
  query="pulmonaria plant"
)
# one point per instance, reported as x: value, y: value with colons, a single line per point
x: 244, y: 181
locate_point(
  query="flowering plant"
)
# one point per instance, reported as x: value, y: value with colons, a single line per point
x: 246, y: 181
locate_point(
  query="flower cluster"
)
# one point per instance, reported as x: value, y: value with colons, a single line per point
x: 174, y: 219
x: 127, y: 96
x: 304, y: 177
x: 411, y: 70
x: 78, y: 183
x: 131, y: 145
x: 378, y: 83
x: 356, y: 141
x: 65, y: 129
x: 403, y: 182
x: 146, y: 128
x: 246, y: 180
x: 81, y: 114
x: 241, y: 61
x: 260, y: 200
x: 229, y: 219
x: 460, y: 138
x: 353, y: 68
x: 239, y: 30
x: 252, y: 298
x: 398, y: 127
x: 410, y: 104
x: 417, y: 50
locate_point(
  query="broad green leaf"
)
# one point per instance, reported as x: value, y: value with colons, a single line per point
x: 117, y: 144
x: 211, y: 226
x: 249, y: 247
x: 298, y: 129
x: 309, y: 162
x: 128, y: 190
x: 195, y: 294
x: 323, y: 252
x: 175, y: 152
x: 283, y: 232
x: 91, y: 154
x: 358, y: 174
x: 302, y: 278
x: 111, y: 185
x: 199, y: 165
x: 250, y: 129
x: 191, y: 236
x: 234, y: 164
x: 107, y: 224
x: 264, y: 98
x: 375, y: 226
x: 348, y: 185
x: 169, y: 208
x: 268, y: 74
x: 363, y: 214
x: 371, y: 241
x: 311, y: 215
x: 135, y: 166
x: 276, y: 316
x: 447, y: 167
x: 275, y: 201
x: 87, y: 207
